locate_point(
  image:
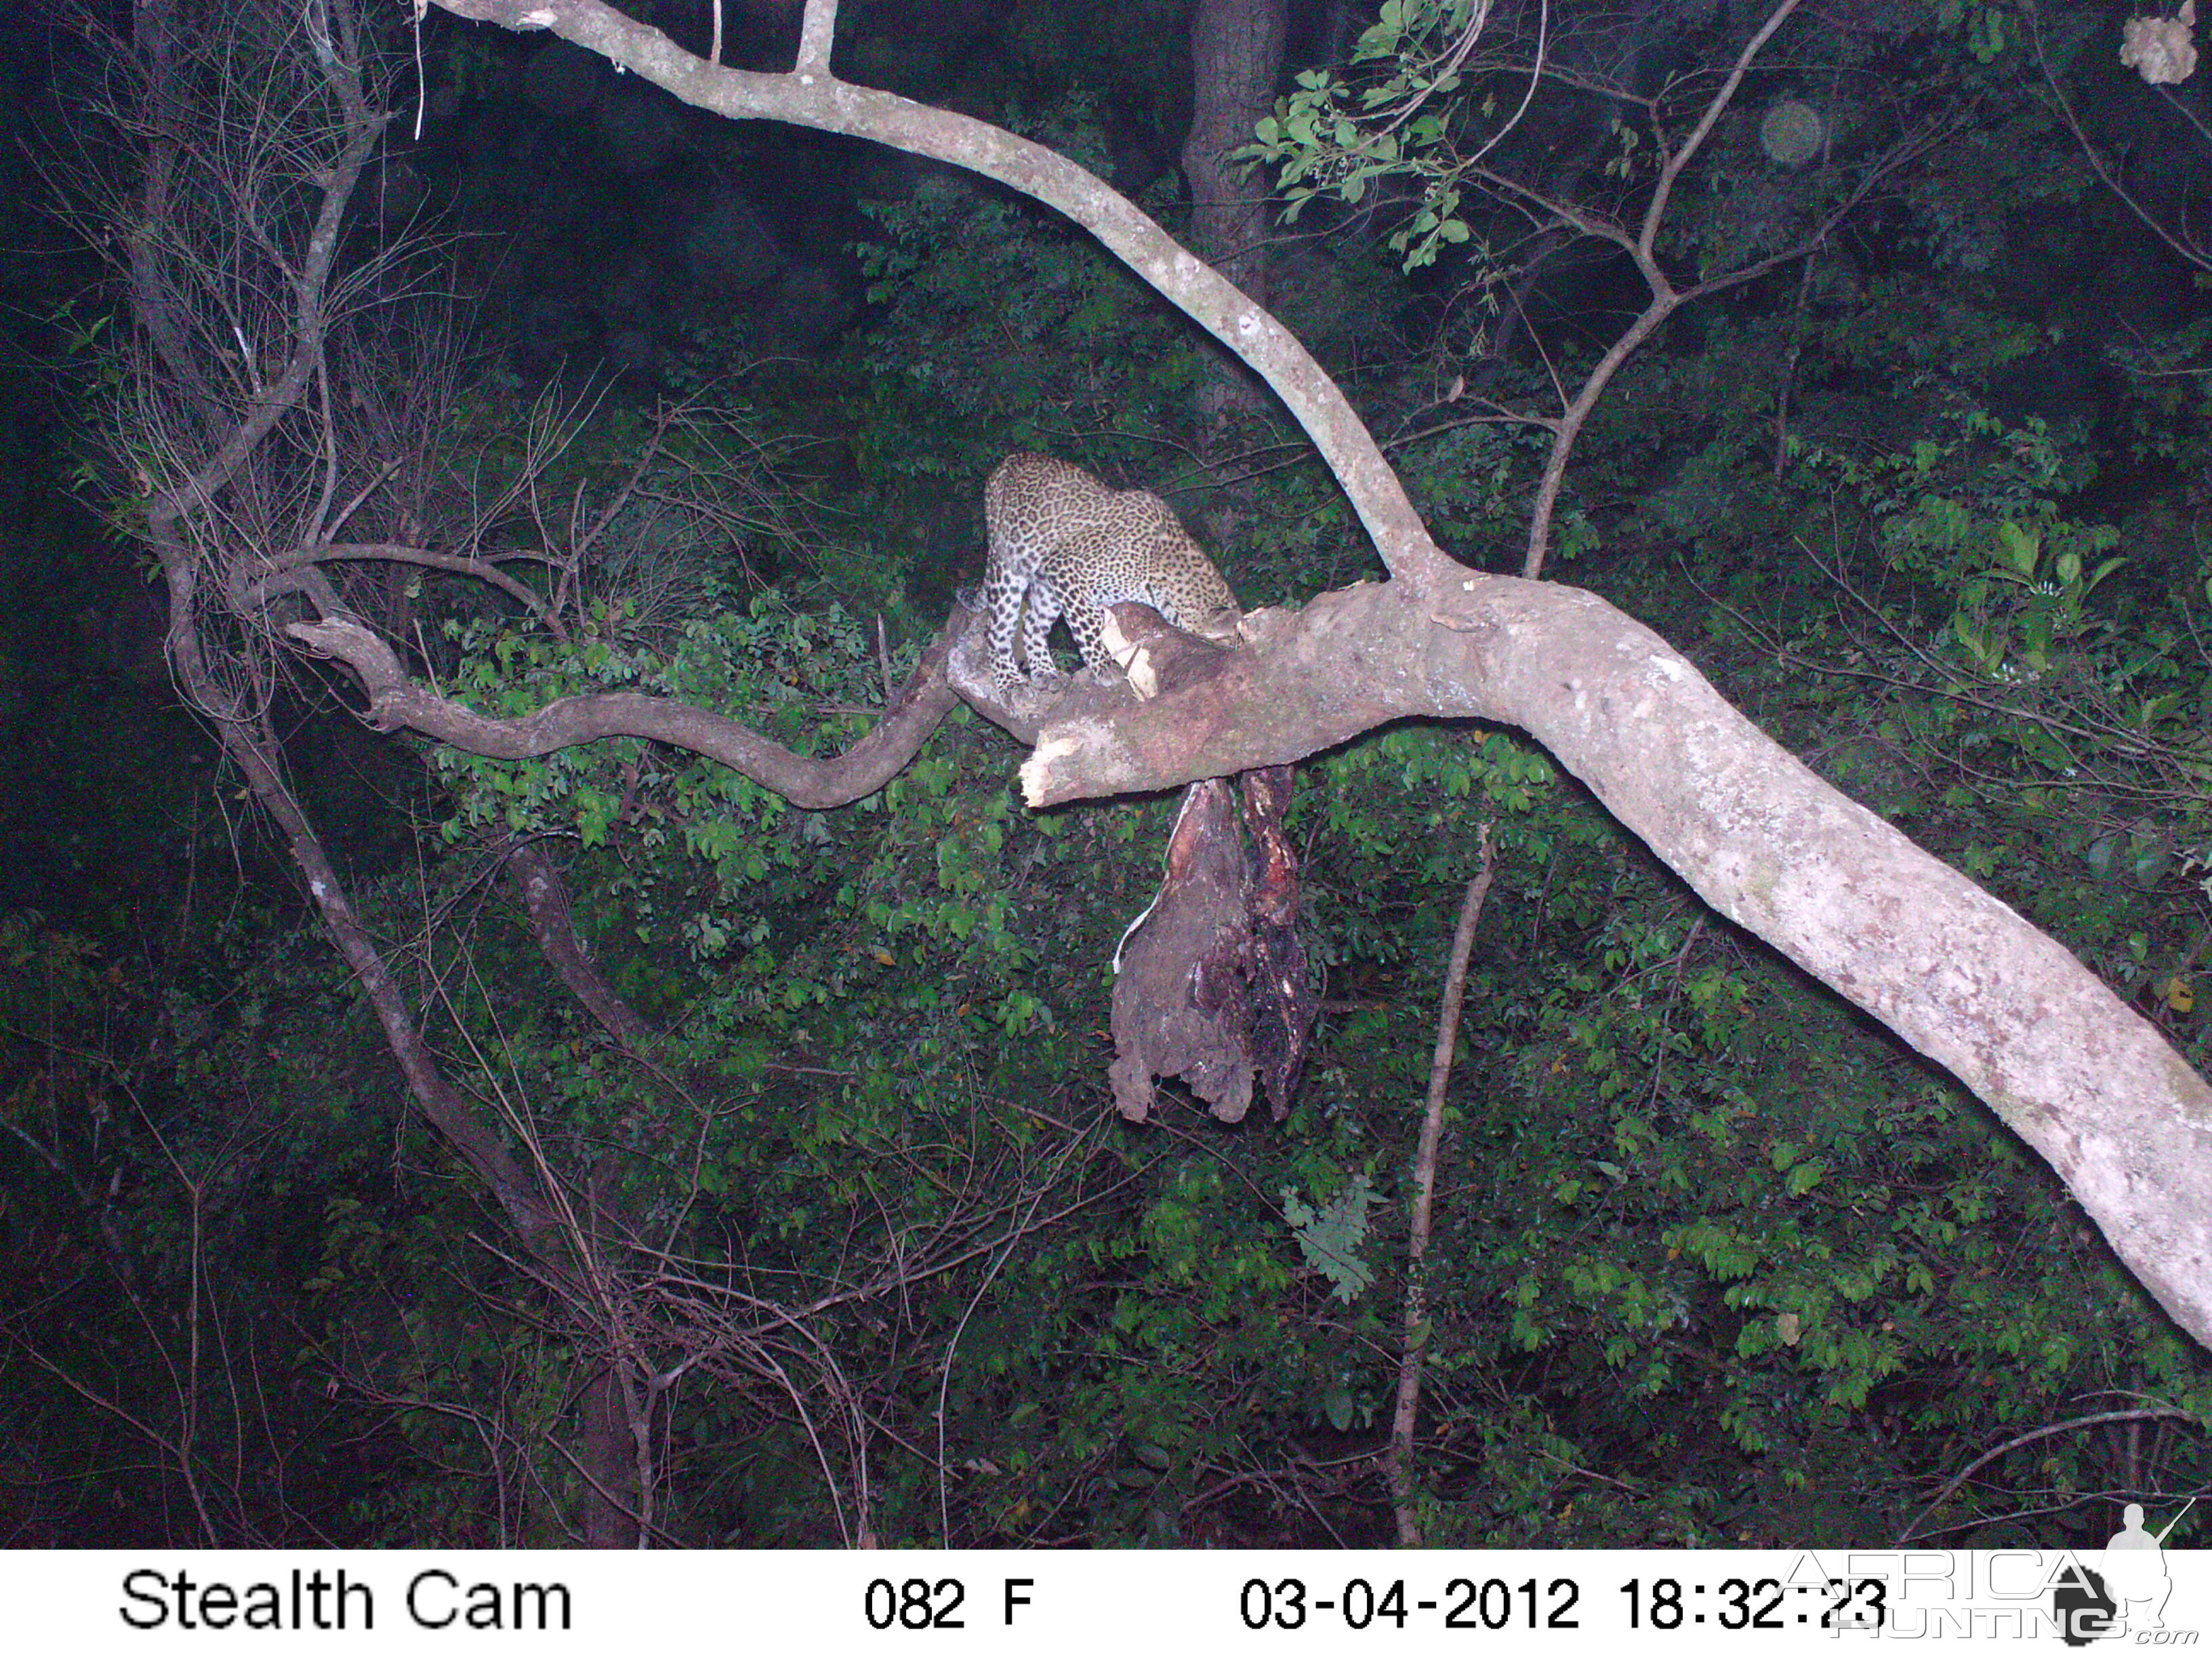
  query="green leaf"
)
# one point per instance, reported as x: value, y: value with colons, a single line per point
x: 1329, y: 1237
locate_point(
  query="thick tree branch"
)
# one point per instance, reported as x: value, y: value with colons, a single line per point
x: 545, y: 902
x: 818, y: 31
x: 1963, y: 978
x: 1958, y: 975
x: 812, y: 98
x: 396, y: 702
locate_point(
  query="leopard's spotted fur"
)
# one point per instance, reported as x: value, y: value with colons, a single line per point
x: 1070, y: 547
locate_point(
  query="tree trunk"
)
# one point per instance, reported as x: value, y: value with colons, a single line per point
x: 1236, y: 54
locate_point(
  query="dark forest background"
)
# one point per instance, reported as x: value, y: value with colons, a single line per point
x: 1716, y: 1260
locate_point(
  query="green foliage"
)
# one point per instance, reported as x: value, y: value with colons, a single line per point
x: 1329, y: 1237
x: 1333, y: 136
x: 1000, y: 330
x: 1989, y: 28
x: 2062, y: 707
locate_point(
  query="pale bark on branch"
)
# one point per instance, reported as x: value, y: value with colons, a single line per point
x: 396, y: 701
x: 2085, y: 1080
x: 811, y: 97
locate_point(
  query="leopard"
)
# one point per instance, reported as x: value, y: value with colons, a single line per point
x: 1069, y: 545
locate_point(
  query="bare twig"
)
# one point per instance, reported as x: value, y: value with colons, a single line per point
x: 1398, y: 1461
x: 2070, y: 1425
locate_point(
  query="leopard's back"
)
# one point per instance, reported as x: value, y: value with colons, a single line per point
x: 1064, y: 544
